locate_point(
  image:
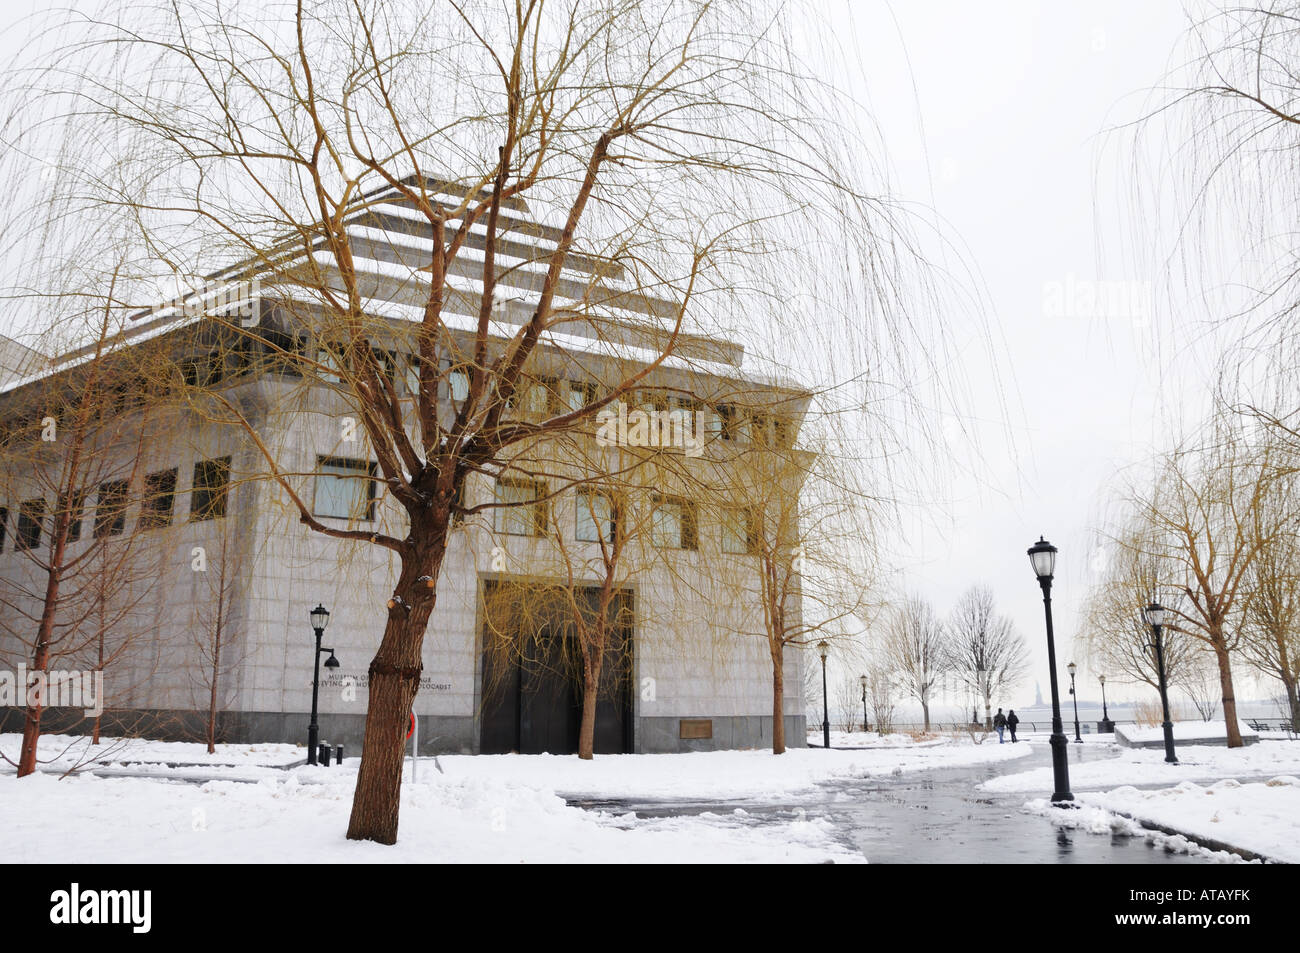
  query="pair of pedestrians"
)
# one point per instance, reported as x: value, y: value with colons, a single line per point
x: 1003, y: 722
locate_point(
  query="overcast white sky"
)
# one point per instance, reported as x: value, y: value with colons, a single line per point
x: 993, y: 114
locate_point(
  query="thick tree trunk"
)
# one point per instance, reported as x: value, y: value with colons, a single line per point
x: 32, y: 721
x: 40, y: 663
x: 590, y: 695
x: 394, y: 682
x: 593, y: 659
x: 925, y: 710
x: 1229, y: 696
x: 1294, y: 701
x: 778, y: 702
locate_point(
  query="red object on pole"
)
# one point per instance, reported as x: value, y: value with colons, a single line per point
x: 411, y: 729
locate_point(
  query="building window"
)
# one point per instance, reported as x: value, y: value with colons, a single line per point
x: 544, y: 399
x: 411, y: 376
x: 159, y: 498
x: 597, y: 517
x: 110, y: 509
x: 738, y: 532
x: 31, y: 517
x: 457, y: 380
x: 673, y: 525
x: 734, y: 424
x: 522, y: 512
x: 651, y: 401
x: 581, y: 394
x: 75, y: 510
x: 532, y: 399
x: 209, y: 489
x: 202, y: 371
x: 386, y: 364
x: 330, y: 358
x: 345, y: 489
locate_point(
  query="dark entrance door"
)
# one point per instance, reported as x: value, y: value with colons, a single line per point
x: 532, y: 672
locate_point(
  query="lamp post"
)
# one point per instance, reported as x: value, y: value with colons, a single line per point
x: 1042, y: 556
x: 1154, y: 615
x: 822, y: 649
x: 862, y: 679
x: 1106, y: 726
x: 1072, y: 668
x: 320, y: 617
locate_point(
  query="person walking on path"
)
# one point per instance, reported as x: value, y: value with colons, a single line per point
x: 1000, y: 725
x: 1012, y: 721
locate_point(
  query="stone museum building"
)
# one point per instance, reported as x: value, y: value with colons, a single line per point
x: 191, y: 576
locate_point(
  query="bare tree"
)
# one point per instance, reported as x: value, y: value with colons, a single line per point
x: 914, y: 645
x: 1198, y: 677
x: 798, y: 546
x: 1117, y: 640
x: 984, y: 649
x: 1199, y: 523
x: 847, y: 712
x: 1271, y: 625
x: 882, y: 696
x: 216, y: 633
x: 71, y: 581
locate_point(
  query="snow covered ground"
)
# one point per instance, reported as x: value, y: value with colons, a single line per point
x: 1260, y: 817
x: 860, y: 739
x: 68, y: 751
x: 127, y: 820
x: 497, y: 808
x: 1188, y: 732
x: 1096, y: 820
x: 1146, y: 766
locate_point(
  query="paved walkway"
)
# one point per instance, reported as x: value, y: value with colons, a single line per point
x: 939, y: 817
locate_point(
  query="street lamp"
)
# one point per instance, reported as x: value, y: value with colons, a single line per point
x: 1154, y: 615
x: 1107, y: 726
x: 1072, y: 668
x: 1042, y: 556
x: 862, y: 679
x: 822, y: 649
x: 320, y: 617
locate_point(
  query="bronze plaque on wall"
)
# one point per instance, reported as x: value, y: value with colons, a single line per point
x: 696, y: 728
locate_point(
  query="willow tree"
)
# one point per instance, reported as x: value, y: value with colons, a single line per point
x: 1200, y: 528
x: 1272, y: 613
x: 1117, y: 641
x: 684, y: 152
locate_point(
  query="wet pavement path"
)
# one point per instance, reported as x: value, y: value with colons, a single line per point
x: 939, y: 816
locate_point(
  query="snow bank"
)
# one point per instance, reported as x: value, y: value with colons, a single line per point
x: 1263, y: 818
x: 1146, y: 766
x: 70, y: 750
x: 85, y: 819
x: 1097, y: 820
x: 1189, y: 732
